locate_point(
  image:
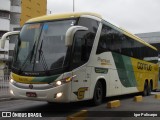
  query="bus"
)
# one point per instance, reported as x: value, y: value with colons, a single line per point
x: 79, y: 56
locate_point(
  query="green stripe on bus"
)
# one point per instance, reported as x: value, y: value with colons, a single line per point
x: 125, y: 70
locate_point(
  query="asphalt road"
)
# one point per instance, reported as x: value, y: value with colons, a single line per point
x: 127, y: 110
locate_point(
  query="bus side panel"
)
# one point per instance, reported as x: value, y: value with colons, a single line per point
x: 145, y: 71
x: 104, y: 68
x: 125, y: 72
x: 80, y: 84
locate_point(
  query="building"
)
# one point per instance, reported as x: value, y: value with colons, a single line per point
x: 152, y: 38
x: 31, y: 9
x: 14, y: 13
x: 4, y: 16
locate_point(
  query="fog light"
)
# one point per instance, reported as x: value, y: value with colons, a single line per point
x: 11, y: 92
x: 58, y: 95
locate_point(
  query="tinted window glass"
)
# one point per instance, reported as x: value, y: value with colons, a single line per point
x: 83, y: 41
x: 89, y: 35
x: 115, y: 41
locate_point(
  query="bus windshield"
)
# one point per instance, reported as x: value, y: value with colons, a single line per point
x: 41, y: 46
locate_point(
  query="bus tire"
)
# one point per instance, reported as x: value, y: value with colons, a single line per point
x: 145, y: 91
x: 98, y: 94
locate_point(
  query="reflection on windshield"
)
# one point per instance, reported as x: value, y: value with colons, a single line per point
x: 48, y: 41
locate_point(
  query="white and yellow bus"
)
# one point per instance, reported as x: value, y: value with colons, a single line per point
x: 79, y: 56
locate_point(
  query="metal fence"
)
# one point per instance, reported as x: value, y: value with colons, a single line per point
x: 4, y: 85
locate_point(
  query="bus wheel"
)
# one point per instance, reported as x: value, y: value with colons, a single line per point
x: 145, y: 91
x: 98, y: 94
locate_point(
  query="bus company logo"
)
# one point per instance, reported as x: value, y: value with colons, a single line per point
x: 143, y: 66
x: 80, y: 93
x: 30, y: 86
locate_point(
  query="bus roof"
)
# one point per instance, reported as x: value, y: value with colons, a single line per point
x: 62, y: 16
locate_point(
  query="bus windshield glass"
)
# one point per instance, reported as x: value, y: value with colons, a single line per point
x: 41, y: 46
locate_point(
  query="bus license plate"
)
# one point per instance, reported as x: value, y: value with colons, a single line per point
x: 31, y: 94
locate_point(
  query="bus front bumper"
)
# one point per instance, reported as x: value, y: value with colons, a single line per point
x: 55, y: 94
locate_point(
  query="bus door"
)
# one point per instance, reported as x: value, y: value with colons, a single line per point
x: 80, y: 83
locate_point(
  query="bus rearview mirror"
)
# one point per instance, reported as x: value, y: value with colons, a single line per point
x: 70, y: 34
x: 4, y: 37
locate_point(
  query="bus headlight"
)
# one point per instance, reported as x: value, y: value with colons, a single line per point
x: 58, y: 83
x: 62, y: 81
x: 12, y: 81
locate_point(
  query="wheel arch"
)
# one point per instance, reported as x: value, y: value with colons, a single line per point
x: 104, y: 85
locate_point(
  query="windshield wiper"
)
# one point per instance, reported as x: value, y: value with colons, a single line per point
x: 41, y: 56
x: 30, y: 55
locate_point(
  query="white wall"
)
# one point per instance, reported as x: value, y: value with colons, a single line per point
x: 5, y: 5
x: 4, y: 24
x: 16, y: 9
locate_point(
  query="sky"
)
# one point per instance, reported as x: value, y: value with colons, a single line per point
x: 136, y: 16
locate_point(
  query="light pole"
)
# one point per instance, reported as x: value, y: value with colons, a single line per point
x: 49, y: 11
x: 73, y: 5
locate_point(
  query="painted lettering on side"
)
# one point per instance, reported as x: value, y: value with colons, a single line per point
x: 143, y: 66
x: 103, y: 61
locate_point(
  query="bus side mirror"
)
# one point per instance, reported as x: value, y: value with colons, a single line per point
x: 70, y: 34
x: 4, y: 37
